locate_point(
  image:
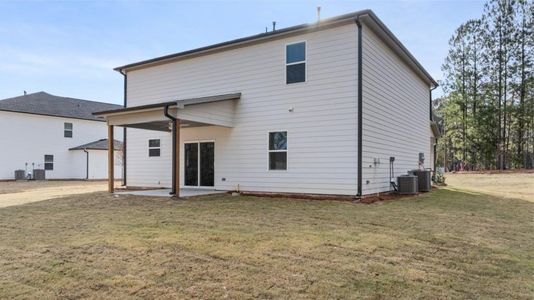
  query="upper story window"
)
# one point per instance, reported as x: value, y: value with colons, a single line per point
x: 296, y: 62
x: 278, y: 150
x: 154, y: 147
x: 67, y: 130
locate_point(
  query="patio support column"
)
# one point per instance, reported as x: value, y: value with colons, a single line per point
x: 111, y: 171
x: 176, y: 167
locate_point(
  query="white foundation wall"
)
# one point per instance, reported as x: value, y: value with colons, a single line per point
x: 321, y: 128
x: 26, y: 138
x: 395, y: 115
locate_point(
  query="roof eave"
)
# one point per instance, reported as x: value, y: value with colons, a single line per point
x: 286, y: 31
x: 245, y: 40
x: 180, y: 103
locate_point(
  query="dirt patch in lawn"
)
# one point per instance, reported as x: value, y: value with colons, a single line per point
x: 22, y: 192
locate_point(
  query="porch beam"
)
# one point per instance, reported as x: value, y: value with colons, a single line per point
x: 111, y: 171
x: 176, y: 158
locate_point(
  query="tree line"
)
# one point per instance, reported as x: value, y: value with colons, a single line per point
x: 487, y: 111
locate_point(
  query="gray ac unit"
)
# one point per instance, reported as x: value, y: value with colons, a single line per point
x: 39, y: 174
x: 424, y: 179
x: 407, y: 184
x: 20, y: 174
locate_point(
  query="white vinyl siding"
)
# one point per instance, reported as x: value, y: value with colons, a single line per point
x: 322, y: 123
x: 320, y: 115
x: 33, y: 136
x: 395, y: 115
x: 143, y: 170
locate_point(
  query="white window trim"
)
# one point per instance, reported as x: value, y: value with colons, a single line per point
x: 269, y: 151
x: 154, y: 148
x: 305, y: 61
x: 198, y: 186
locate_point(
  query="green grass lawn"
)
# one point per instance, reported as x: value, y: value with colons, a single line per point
x: 444, y: 244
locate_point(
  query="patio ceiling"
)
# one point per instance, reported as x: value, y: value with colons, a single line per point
x: 164, y: 125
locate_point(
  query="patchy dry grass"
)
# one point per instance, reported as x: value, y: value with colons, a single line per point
x: 445, y: 244
x: 508, y: 185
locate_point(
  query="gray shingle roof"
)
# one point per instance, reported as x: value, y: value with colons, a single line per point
x: 42, y: 103
x: 99, y: 145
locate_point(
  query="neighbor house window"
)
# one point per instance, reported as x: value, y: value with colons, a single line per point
x: 153, y: 147
x: 49, y: 162
x: 67, y: 130
x: 296, y: 62
x: 278, y: 150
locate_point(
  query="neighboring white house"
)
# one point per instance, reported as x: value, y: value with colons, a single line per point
x: 43, y: 131
x: 280, y: 112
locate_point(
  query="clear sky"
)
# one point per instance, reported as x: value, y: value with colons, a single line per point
x: 69, y: 48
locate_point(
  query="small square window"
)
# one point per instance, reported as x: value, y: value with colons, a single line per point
x: 278, y: 161
x: 296, y: 73
x: 278, y: 140
x: 154, y: 152
x: 153, y: 143
x: 296, y: 53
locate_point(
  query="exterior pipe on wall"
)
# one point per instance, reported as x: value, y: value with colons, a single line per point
x: 360, y: 104
x: 174, y: 125
x: 432, y: 119
x: 430, y: 99
x: 124, y: 129
x: 86, y: 164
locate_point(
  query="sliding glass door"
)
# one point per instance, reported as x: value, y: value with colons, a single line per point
x: 199, y: 160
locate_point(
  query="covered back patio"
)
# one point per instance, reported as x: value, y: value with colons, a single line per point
x: 215, y: 110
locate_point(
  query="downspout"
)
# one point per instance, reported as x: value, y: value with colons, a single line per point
x: 430, y: 101
x: 86, y: 164
x: 431, y: 120
x: 173, y: 119
x: 125, y: 92
x: 360, y: 104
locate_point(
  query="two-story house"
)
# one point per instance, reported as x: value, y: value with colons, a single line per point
x: 318, y: 108
x: 58, y: 134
